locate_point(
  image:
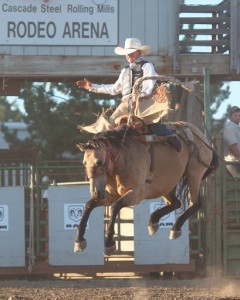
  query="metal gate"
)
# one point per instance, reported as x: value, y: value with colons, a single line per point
x: 222, y: 221
x: 37, y: 240
x: 231, y: 226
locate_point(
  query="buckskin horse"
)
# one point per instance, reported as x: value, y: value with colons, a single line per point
x: 123, y: 169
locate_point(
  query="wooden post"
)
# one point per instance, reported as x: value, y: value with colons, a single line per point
x: 207, y: 98
x: 194, y: 107
x: 213, y: 205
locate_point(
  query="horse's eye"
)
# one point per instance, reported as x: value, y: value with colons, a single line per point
x: 99, y: 163
x: 84, y: 162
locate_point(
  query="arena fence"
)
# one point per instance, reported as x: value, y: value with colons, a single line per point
x: 213, y: 240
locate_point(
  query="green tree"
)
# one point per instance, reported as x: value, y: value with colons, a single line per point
x: 53, y: 111
x: 218, y: 96
x: 9, y: 111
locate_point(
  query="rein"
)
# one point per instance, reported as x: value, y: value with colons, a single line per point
x: 109, y: 157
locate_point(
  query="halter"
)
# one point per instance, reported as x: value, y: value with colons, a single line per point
x: 99, y: 170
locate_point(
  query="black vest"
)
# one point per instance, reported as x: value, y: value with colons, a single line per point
x: 130, y: 76
x: 137, y: 71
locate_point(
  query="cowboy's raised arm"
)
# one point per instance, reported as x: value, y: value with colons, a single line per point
x: 85, y: 84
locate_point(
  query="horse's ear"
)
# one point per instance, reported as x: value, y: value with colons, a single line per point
x: 81, y: 146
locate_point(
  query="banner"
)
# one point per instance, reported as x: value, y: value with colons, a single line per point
x: 73, y: 215
x: 166, y: 221
x: 59, y: 22
x: 4, y: 224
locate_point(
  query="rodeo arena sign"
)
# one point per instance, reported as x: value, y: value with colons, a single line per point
x: 71, y: 22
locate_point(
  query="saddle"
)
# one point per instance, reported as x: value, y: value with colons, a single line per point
x: 172, y: 139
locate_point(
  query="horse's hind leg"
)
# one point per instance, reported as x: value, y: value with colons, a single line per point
x: 110, y: 245
x: 176, y: 229
x: 80, y: 242
x: 172, y: 204
x: 194, y: 182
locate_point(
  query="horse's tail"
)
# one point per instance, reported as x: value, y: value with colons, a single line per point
x: 213, y: 165
x: 183, y: 187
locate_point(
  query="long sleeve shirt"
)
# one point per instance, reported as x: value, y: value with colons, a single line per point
x: 117, y: 87
x: 231, y: 135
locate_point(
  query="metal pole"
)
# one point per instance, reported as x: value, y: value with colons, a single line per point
x: 31, y: 254
x: 210, y: 227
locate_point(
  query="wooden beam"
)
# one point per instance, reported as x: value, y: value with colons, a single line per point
x: 19, y: 155
x: 199, y: 8
x: 207, y: 96
x: 205, y: 43
x: 56, y: 67
x: 107, y: 69
x: 9, y: 87
x: 193, y: 64
x: 210, y: 31
x: 204, y: 20
x: 118, y: 266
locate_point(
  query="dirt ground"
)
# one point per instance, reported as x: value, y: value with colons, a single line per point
x: 119, y: 289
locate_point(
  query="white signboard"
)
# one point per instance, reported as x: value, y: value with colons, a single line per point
x: 4, y: 218
x: 166, y: 221
x: 59, y: 22
x: 72, y: 215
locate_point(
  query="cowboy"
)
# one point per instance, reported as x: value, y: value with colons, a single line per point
x: 231, y: 138
x: 137, y: 68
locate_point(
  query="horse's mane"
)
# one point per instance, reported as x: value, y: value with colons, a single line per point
x: 116, y: 136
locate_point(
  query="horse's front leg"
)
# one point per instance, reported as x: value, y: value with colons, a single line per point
x: 172, y: 204
x: 80, y: 242
x: 127, y: 200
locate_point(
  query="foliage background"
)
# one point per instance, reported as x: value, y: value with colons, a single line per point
x: 53, y: 111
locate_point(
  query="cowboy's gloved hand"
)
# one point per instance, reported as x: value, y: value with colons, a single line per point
x: 85, y: 84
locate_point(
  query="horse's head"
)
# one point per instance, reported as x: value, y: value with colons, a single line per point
x: 98, y: 162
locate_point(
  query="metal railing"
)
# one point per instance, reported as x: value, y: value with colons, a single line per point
x: 68, y: 171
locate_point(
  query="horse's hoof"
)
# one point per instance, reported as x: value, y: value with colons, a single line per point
x: 153, y: 228
x: 175, y: 234
x: 110, y: 250
x: 80, y: 246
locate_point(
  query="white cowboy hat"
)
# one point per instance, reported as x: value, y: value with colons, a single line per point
x: 132, y: 45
